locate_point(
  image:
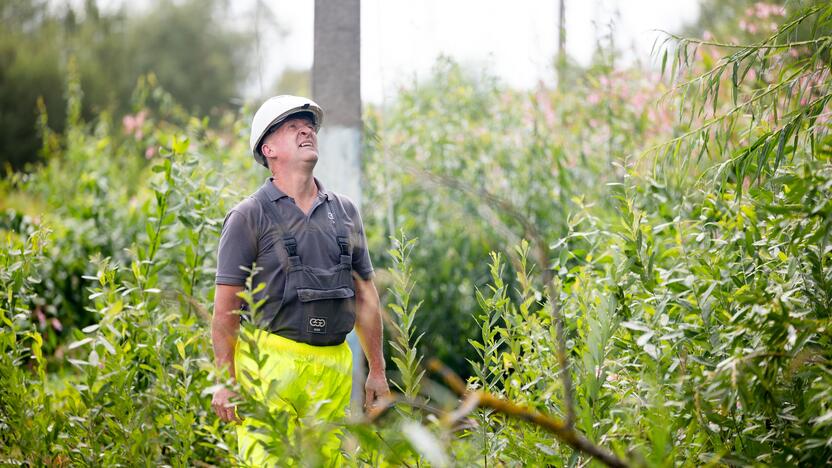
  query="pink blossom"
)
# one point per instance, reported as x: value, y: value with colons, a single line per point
x: 129, y: 123
x: 133, y: 124
x: 149, y: 152
x: 593, y: 98
x: 639, y: 100
x: 56, y: 324
x: 41, y: 317
x: 748, y: 27
x: 765, y: 10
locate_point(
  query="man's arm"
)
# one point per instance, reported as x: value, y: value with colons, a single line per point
x: 369, y: 329
x: 225, y: 327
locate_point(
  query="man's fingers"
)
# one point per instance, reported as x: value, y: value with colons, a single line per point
x: 369, y: 399
x: 225, y: 413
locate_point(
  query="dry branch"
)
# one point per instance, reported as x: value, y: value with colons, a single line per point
x: 561, y: 430
x: 542, y: 255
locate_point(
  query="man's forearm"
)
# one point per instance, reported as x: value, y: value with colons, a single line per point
x: 369, y: 329
x: 225, y: 327
x: 224, y: 337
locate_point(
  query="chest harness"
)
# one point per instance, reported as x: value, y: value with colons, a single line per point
x: 318, y: 305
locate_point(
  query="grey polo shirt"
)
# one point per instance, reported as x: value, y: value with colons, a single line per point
x: 249, y: 236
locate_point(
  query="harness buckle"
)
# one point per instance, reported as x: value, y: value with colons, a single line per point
x: 291, y: 245
x: 344, y: 244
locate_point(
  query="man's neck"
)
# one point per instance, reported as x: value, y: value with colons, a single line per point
x: 301, y: 187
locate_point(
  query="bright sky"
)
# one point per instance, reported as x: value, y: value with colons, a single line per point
x: 516, y: 41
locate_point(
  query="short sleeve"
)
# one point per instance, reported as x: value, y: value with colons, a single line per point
x: 237, y: 249
x: 360, y: 255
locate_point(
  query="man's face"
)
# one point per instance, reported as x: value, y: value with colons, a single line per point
x: 294, y: 141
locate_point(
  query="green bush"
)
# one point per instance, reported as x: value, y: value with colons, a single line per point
x: 650, y: 283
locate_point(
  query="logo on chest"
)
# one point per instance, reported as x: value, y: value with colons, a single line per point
x: 316, y: 325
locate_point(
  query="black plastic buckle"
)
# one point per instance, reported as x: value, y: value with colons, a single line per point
x: 291, y: 246
x: 344, y: 243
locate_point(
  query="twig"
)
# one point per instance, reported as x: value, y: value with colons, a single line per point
x: 542, y: 255
x: 566, y: 374
x: 764, y: 44
x: 568, y: 435
x: 392, y: 399
x: 785, y: 45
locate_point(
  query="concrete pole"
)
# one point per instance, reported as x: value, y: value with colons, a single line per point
x: 336, y: 86
x: 561, y: 60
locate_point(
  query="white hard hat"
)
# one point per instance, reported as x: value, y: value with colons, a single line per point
x: 274, y: 111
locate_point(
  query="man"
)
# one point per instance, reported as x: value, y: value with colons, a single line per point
x: 308, y: 248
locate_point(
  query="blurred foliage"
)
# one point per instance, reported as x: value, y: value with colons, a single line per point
x: 294, y: 81
x: 187, y: 46
x: 685, y: 216
x: 751, y: 21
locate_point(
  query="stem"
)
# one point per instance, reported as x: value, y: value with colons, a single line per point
x: 482, y: 196
x: 563, y: 362
x: 764, y: 43
x: 197, y: 261
x: 709, y: 123
x: 786, y: 45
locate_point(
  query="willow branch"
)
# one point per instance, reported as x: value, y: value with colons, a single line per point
x: 542, y: 255
x: 567, y: 434
x: 765, y: 43
x: 725, y: 45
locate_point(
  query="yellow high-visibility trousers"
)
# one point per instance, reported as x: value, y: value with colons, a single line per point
x: 304, y: 381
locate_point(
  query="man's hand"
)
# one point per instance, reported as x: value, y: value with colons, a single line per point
x: 375, y: 389
x: 223, y: 407
x: 368, y: 328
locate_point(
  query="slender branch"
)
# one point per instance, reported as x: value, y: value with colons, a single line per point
x: 563, y: 363
x: 764, y: 44
x: 711, y: 122
x: 529, y: 229
x: 392, y: 399
x: 569, y: 435
x: 542, y: 254
x: 786, y: 45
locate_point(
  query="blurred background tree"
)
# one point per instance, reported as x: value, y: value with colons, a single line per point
x: 195, y: 54
x: 294, y: 81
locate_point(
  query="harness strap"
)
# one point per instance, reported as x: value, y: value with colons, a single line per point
x: 289, y: 241
x: 341, y: 233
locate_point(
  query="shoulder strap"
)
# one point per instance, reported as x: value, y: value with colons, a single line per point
x: 341, y: 233
x: 270, y: 208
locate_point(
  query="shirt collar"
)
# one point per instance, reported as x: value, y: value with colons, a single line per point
x: 275, y: 193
